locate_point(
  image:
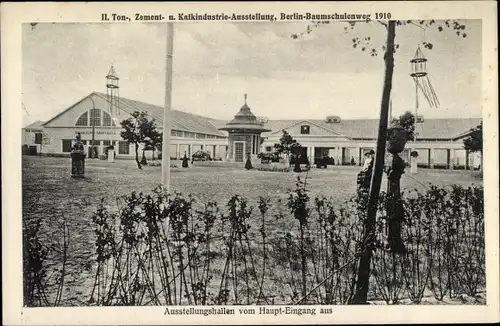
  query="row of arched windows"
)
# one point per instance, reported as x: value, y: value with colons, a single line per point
x: 95, y: 117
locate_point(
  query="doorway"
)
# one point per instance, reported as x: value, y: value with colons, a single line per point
x: 239, y: 148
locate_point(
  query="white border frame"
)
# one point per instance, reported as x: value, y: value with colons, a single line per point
x: 14, y: 14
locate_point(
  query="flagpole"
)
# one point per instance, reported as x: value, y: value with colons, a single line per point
x: 413, y: 160
x: 165, y: 156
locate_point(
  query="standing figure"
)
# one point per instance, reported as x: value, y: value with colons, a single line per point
x: 248, y: 164
x: 296, y: 166
x: 78, y: 158
x: 365, y: 175
x: 185, y: 160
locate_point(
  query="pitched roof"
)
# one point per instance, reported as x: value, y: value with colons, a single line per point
x: 446, y: 129
x: 327, y: 129
x: 474, y: 132
x: 245, y: 119
x: 367, y: 128
x: 35, y: 125
x: 180, y: 120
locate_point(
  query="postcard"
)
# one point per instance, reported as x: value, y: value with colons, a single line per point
x: 250, y: 163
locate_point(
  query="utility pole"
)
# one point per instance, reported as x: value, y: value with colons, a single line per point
x: 363, y: 273
x: 165, y: 156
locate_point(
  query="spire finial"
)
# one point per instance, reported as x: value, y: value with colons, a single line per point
x: 112, y: 71
x: 245, y: 98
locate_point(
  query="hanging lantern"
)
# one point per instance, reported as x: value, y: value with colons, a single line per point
x: 418, y: 64
x: 421, y: 79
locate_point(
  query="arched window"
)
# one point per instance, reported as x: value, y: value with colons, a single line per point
x: 83, y: 120
x: 97, y: 118
x: 106, y: 120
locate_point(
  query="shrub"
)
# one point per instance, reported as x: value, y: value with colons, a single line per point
x: 201, y: 156
x: 273, y: 168
x: 168, y: 249
x: 406, y: 121
x: 267, y: 157
x: 41, y: 288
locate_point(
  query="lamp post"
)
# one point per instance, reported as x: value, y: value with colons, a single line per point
x: 92, y: 122
x: 165, y: 155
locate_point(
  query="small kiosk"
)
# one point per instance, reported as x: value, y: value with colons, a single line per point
x: 244, y: 135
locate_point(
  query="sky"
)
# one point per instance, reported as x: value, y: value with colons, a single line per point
x: 215, y: 64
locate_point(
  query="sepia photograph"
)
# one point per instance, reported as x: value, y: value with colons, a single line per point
x: 270, y: 164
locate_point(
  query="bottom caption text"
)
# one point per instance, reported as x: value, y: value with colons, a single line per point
x: 276, y: 311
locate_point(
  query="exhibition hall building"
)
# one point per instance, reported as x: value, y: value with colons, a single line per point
x: 439, y: 142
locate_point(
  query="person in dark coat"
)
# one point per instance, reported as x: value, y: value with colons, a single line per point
x: 365, y: 175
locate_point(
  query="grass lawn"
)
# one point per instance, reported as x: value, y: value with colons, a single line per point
x: 48, y: 180
x: 49, y: 192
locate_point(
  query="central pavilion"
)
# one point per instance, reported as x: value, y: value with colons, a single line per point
x: 244, y: 137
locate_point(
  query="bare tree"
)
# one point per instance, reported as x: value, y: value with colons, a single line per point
x: 389, y: 48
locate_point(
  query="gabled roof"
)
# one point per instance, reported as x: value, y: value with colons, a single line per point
x: 439, y: 129
x: 35, y: 125
x: 182, y: 121
x: 69, y: 108
x: 474, y: 132
x: 446, y: 129
x: 311, y: 122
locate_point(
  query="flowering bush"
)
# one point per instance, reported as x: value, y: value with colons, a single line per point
x: 201, y: 156
x: 268, y: 157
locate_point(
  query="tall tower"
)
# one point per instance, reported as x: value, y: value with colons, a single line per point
x: 113, y: 94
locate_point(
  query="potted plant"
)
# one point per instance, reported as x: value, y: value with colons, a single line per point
x: 397, y: 137
x: 400, y: 132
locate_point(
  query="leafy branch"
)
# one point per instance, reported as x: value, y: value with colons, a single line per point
x: 364, y: 43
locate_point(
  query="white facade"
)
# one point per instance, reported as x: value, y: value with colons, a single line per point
x: 343, y: 150
x: 59, y: 134
x: 63, y: 128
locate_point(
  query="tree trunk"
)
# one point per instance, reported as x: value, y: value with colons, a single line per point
x: 137, y: 156
x: 363, y: 274
x: 395, y: 210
